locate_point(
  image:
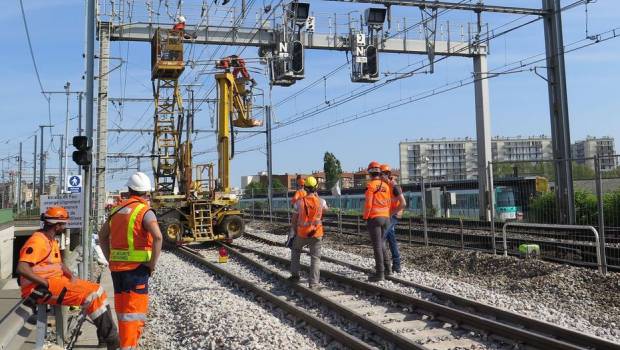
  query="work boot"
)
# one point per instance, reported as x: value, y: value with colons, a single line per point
x: 293, y: 279
x: 107, y: 333
x: 388, y: 270
x: 396, y: 268
x: 377, y: 277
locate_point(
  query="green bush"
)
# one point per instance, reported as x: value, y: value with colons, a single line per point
x: 542, y: 209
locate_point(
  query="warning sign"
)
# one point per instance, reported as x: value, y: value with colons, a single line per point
x: 73, y: 202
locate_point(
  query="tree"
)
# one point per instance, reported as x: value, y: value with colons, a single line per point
x: 332, y: 169
x: 255, y: 188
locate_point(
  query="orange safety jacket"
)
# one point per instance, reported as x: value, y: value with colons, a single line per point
x: 130, y: 243
x: 299, y: 194
x: 378, y: 200
x: 395, y: 202
x: 310, y: 214
x: 49, y: 267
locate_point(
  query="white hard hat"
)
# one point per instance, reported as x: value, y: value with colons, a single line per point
x: 139, y: 182
x: 181, y: 19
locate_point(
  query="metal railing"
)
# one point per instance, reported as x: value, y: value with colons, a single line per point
x: 551, y: 244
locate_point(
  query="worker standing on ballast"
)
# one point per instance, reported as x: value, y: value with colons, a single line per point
x: 44, y: 279
x: 377, y: 213
x: 397, y: 205
x: 307, y: 221
x: 131, y: 241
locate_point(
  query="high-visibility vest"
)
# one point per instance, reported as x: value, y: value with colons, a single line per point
x: 310, y: 214
x: 51, y: 266
x: 378, y: 199
x: 130, y: 243
x: 299, y: 194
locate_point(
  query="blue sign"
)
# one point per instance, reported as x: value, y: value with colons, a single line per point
x: 75, y: 184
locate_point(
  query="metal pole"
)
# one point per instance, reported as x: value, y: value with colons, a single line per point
x: 41, y: 169
x: 63, y: 178
x: 269, y: 163
x: 558, y: 107
x: 34, y: 174
x: 492, y: 208
x: 601, y: 213
x: 79, y: 114
x: 423, y: 191
x: 19, y: 181
x: 90, y: 62
x: 61, y: 151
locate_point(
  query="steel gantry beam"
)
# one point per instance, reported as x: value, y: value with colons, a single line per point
x: 263, y: 37
x: 479, y: 7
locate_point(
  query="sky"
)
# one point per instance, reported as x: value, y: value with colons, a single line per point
x: 519, y: 101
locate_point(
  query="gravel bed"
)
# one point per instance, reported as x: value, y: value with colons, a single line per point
x: 567, y: 296
x: 191, y: 308
x: 364, y: 300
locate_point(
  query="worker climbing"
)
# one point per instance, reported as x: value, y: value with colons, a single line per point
x: 44, y: 279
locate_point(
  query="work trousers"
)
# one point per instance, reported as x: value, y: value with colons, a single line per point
x: 90, y: 297
x: 131, y: 301
x: 314, y: 245
x: 376, y: 230
x: 390, y: 238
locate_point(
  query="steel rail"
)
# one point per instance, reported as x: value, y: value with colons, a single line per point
x: 499, y: 314
x: 483, y: 233
x: 342, y: 310
x: 336, y: 333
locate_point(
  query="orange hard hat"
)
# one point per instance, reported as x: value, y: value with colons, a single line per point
x: 55, y: 215
x: 373, y: 165
x: 385, y: 168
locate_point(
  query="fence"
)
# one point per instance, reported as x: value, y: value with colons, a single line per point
x: 447, y: 213
x: 596, y: 187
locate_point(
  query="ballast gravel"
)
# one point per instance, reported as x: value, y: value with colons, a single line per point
x: 566, y: 296
x: 191, y: 308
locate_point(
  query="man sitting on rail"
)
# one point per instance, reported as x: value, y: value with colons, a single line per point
x: 44, y: 279
x: 308, y: 227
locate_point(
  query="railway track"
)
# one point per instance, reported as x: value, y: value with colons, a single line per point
x: 456, y: 312
x: 578, y: 253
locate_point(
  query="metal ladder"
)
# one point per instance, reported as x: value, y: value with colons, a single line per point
x: 168, y: 104
x: 203, y: 221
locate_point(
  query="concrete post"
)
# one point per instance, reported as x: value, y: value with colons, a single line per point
x: 483, y: 132
x: 102, y: 123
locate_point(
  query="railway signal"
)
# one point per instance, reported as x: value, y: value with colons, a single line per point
x: 83, y: 156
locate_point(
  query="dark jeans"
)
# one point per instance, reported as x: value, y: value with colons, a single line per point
x: 376, y: 231
x: 390, y: 237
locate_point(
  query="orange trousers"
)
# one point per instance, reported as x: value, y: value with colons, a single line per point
x: 131, y: 301
x: 76, y: 292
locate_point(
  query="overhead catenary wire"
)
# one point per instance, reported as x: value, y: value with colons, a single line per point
x: 519, y: 65
x: 34, y: 61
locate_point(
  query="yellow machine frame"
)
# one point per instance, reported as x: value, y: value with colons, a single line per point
x: 202, y: 209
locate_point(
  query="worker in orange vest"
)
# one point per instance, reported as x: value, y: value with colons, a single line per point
x: 397, y: 206
x: 44, y: 279
x: 308, y: 225
x: 131, y: 241
x: 377, y: 213
x: 180, y: 25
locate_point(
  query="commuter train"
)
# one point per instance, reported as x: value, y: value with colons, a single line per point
x: 456, y: 199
